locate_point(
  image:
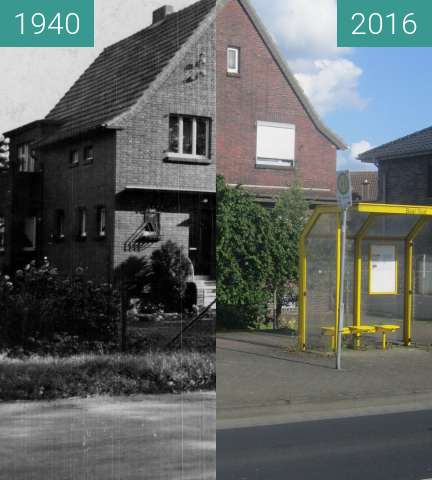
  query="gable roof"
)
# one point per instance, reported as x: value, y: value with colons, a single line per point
x: 123, y: 72
x: 417, y: 143
x: 286, y: 71
x: 365, y: 184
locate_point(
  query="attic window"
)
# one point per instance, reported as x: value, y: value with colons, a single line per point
x: 275, y: 144
x: 233, y: 60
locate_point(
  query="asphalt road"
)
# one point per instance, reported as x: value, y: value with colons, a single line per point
x: 385, y: 447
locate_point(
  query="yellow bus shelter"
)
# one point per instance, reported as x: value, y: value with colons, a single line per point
x: 380, y: 290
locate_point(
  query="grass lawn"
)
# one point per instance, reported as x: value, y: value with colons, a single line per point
x: 168, y: 437
x: 47, y: 378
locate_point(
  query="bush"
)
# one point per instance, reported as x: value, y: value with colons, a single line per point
x: 239, y: 316
x: 52, y: 378
x: 170, y: 270
x: 38, y: 305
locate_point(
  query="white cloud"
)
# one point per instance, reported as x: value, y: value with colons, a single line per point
x: 307, y: 33
x: 333, y: 84
x: 359, y: 148
x: 307, y: 28
x: 33, y: 79
x: 348, y: 160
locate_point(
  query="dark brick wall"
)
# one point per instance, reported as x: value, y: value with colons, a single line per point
x: 143, y: 142
x: 141, y: 150
x: 261, y: 92
x: 69, y: 188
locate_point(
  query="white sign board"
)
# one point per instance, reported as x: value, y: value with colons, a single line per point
x: 383, y: 270
x: 344, y: 188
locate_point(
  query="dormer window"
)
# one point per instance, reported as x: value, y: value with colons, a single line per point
x: 189, y: 137
x: 233, y: 61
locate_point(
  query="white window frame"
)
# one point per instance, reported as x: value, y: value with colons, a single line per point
x: 2, y: 233
x: 101, y: 214
x: 74, y: 158
x: 236, y: 69
x: 91, y: 158
x: 33, y: 233
x: 82, y: 222
x: 26, y: 163
x: 275, y: 162
x: 180, y: 153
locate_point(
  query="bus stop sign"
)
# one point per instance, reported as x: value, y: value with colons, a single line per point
x: 344, y: 189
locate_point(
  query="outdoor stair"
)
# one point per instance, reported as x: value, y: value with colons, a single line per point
x: 206, y: 287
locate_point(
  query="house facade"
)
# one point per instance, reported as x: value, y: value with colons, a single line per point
x: 128, y: 157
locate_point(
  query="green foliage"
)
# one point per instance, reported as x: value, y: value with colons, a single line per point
x: 288, y: 219
x: 170, y: 269
x: 244, y: 261
x: 48, y: 378
x: 257, y: 251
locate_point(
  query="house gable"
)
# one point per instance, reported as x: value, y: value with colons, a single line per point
x: 265, y: 90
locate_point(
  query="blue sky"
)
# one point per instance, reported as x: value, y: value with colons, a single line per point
x: 367, y: 96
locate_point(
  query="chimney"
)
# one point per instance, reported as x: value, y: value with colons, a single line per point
x: 161, y: 13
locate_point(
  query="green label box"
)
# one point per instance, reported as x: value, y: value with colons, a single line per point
x: 47, y: 23
x: 384, y: 23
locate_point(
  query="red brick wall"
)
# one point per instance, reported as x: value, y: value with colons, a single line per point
x: 261, y: 92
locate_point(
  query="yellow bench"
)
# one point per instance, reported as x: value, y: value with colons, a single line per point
x: 357, y: 331
x: 330, y: 332
x: 385, y: 330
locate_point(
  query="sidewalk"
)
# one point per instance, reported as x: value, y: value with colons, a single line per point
x: 259, y: 381
x: 163, y: 437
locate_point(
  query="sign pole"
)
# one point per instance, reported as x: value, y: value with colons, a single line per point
x: 341, y: 300
x: 344, y: 197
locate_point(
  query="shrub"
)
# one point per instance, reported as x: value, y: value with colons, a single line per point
x: 170, y: 269
x: 239, y: 316
x: 38, y: 305
x: 51, y: 378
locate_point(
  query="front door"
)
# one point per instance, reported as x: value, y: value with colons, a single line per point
x: 202, y: 238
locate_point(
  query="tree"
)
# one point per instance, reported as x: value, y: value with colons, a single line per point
x: 257, y: 251
x: 4, y: 152
x: 288, y: 217
x: 244, y: 263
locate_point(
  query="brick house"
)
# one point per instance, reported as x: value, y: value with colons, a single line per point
x: 268, y: 133
x: 127, y: 158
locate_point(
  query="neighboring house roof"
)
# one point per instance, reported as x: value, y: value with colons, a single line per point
x: 365, y: 185
x: 279, y: 59
x: 417, y: 143
x: 123, y: 72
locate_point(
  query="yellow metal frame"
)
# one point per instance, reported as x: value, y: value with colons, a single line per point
x: 374, y: 210
x: 395, y: 292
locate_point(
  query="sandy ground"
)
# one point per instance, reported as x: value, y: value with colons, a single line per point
x: 151, y: 437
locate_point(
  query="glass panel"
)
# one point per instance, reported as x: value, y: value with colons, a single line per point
x: 187, y: 135
x: 321, y: 282
x: 392, y: 226
x: 421, y: 333
x: 202, y: 148
x: 174, y: 134
x: 232, y: 60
